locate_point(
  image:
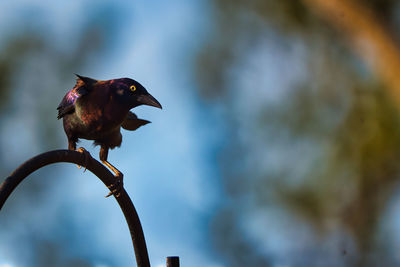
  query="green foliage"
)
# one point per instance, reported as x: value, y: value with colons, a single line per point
x: 326, y: 153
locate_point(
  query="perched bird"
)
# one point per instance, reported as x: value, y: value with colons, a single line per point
x: 96, y: 110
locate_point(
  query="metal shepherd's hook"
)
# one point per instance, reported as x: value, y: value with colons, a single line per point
x: 124, y: 201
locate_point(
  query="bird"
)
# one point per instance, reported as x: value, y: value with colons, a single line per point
x: 96, y: 110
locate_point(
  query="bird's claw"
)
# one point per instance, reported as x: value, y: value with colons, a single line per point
x: 86, y: 156
x: 116, y: 188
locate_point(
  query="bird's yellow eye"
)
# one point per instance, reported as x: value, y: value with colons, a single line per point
x: 132, y: 88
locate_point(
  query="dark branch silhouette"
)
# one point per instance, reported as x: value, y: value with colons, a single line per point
x: 131, y: 216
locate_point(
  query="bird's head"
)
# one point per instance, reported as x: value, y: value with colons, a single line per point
x: 133, y: 93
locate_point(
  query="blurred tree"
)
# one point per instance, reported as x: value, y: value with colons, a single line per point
x: 309, y: 166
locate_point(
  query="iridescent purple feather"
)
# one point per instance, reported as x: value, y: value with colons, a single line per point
x: 67, y: 104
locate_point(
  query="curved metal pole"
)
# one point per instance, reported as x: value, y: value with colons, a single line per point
x: 131, y: 216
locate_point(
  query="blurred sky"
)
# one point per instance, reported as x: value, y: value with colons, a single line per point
x: 166, y: 165
x: 276, y: 144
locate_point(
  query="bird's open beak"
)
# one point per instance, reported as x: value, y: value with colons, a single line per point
x: 149, y: 100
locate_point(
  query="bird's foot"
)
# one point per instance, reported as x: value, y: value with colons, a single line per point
x: 116, y: 188
x: 86, y: 156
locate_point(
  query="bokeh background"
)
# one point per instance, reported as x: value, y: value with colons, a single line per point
x: 278, y: 144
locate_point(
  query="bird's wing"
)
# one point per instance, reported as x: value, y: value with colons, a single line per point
x: 132, y: 122
x: 67, y: 104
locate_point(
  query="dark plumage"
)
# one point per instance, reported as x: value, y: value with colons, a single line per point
x: 96, y: 110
